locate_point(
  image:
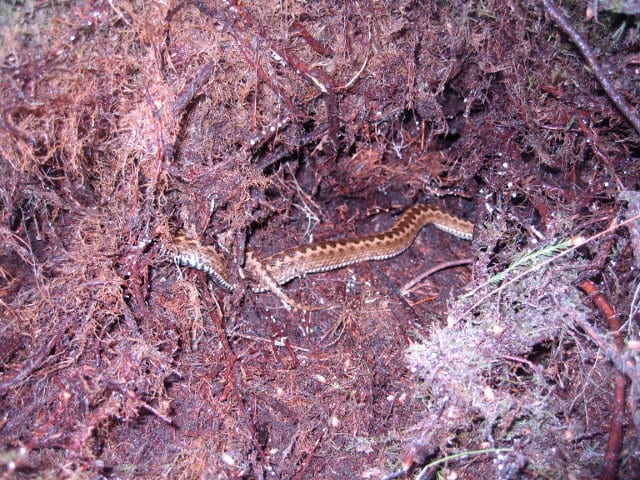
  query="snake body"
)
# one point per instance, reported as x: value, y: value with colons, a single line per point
x: 269, y: 273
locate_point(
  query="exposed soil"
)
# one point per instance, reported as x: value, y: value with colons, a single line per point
x: 264, y: 125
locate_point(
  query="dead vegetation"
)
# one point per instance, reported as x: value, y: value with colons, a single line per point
x: 262, y: 125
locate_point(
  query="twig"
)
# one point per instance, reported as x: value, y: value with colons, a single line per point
x: 230, y: 356
x: 577, y: 243
x: 353, y: 80
x: 562, y: 22
x: 521, y: 360
x: 595, y: 145
x: 298, y: 30
x: 455, y: 456
x: 157, y: 413
x: 442, y: 266
x: 269, y: 341
x: 614, y: 445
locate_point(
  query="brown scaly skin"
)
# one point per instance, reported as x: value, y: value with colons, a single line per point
x: 275, y: 270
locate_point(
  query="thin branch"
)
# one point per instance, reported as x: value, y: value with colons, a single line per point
x: 442, y: 266
x: 614, y: 444
x: 576, y: 242
x: 562, y: 22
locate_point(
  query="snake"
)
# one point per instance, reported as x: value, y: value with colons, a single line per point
x: 273, y: 271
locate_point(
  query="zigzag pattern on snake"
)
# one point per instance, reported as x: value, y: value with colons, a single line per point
x: 269, y: 273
